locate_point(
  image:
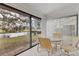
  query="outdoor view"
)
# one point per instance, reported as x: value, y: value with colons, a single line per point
x: 14, y: 32
x: 36, y: 30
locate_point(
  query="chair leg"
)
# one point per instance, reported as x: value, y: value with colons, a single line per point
x: 62, y: 52
x: 38, y: 48
x: 50, y: 52
x: 67, y: 53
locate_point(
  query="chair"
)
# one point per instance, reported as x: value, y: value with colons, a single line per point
x: 70, y: 47
x: 46, y: 44
x: 57, y: 36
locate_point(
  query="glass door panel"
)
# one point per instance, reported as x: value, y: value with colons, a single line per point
x: 14, y: 32
x: 36, y: 30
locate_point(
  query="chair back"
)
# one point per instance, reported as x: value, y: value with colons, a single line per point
x: 57, y: 35
x: 45, y: 43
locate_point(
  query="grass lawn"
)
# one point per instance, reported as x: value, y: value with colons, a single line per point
x: 3, y: 32
x: 17, y: 39
x: 26, y: 30
x: 10, y: 44
x: 13, y: 40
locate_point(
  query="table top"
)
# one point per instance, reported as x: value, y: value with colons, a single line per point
x: 56, y: 40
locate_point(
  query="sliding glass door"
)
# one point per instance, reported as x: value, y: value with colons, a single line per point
x: 18, y: 30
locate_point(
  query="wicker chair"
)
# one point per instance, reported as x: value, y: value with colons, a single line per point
x: 57, y: 36
x: 46, y: 44
x: 71, y: 46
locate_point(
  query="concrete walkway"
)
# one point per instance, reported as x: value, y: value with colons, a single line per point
x: 13, y: 34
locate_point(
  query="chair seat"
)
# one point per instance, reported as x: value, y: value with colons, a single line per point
x: 68, y: 48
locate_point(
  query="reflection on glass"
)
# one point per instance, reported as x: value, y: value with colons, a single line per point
x: 14, y: 32
x: 36, y: 24
x: 36, y: 30
x: 35, y: 37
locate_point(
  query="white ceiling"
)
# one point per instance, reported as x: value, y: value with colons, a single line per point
x: 46, y: 8
x: 39, y: 8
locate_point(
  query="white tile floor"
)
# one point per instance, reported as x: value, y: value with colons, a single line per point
x: 33, y: 52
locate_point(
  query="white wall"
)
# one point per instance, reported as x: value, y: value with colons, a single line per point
x: 43, y: 26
